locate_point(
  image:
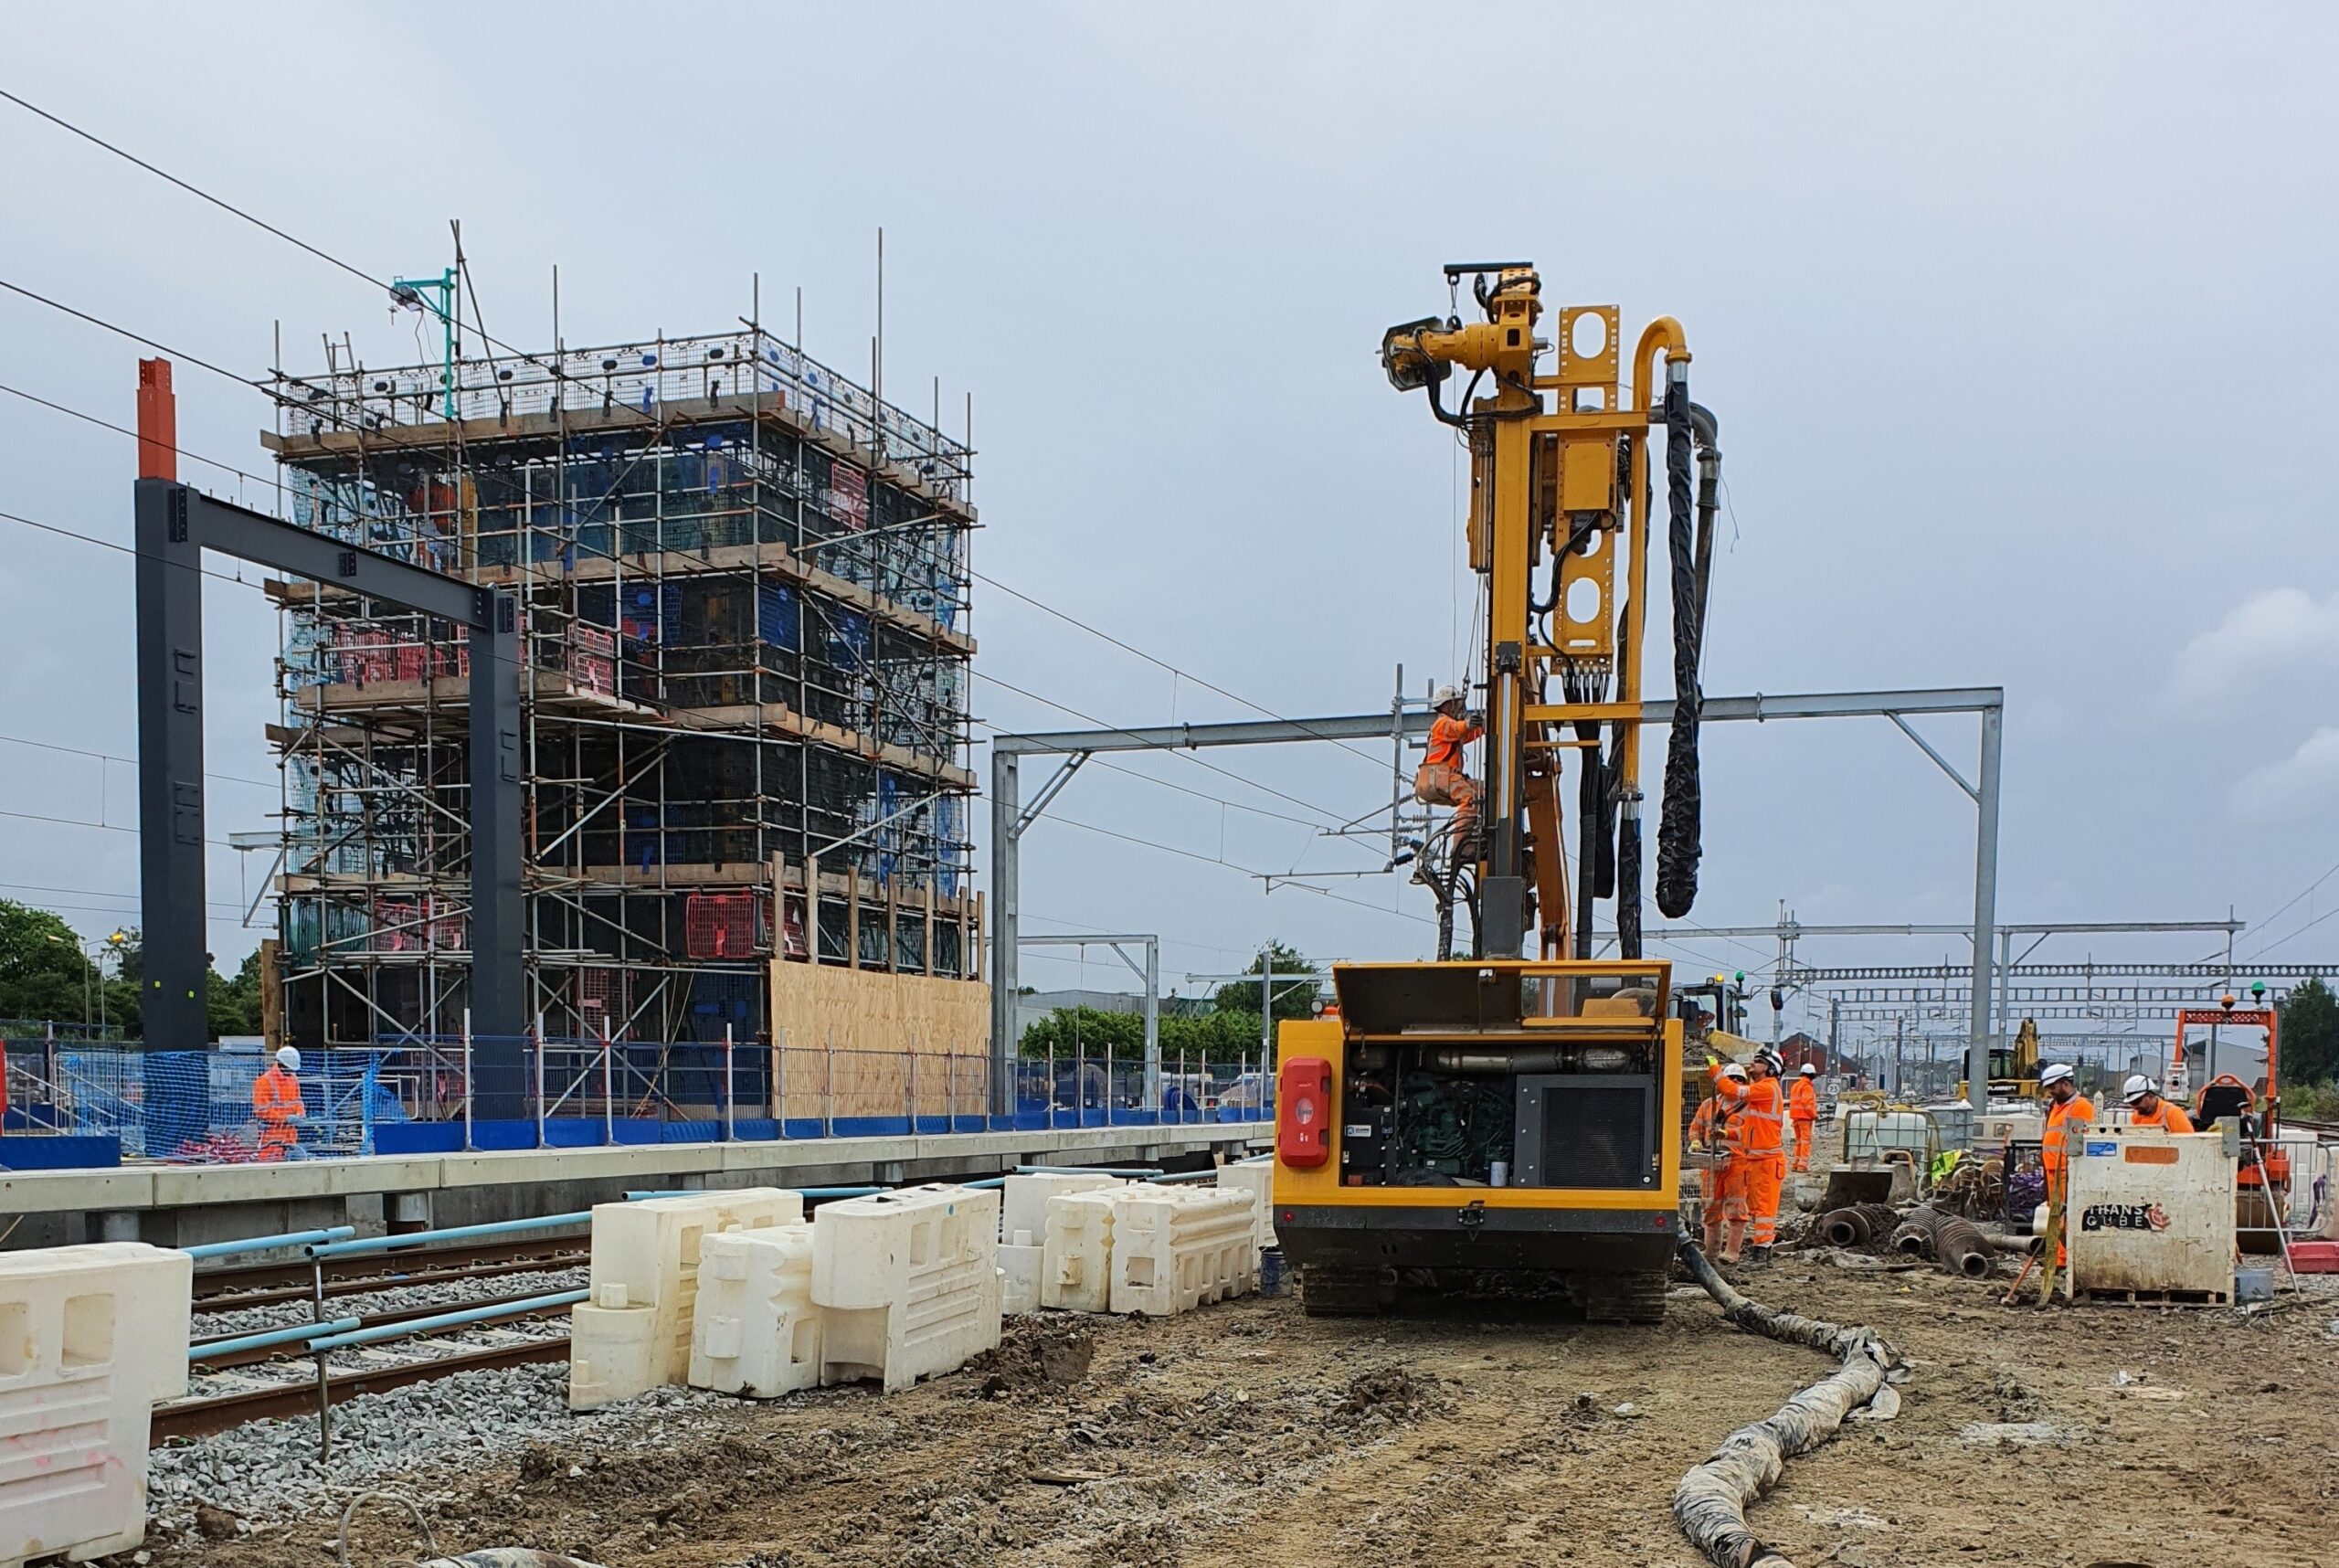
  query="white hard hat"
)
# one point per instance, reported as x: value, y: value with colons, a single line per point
x: 288, y: 1058
x: 2054, y: 1075
x: 1809, y: 1071
x: 2136, y: 1089
x: 1449, y: 693
x: 1734, y: 1071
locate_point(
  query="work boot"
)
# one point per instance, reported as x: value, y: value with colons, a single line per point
x: 1758, y: 1257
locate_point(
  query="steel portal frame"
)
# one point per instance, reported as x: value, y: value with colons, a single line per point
x: 1009, y: 818
x: 174, y: 526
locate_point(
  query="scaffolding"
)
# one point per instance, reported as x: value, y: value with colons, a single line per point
x: 744, y: 582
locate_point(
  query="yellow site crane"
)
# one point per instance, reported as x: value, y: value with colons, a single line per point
x: 1503, y: 1120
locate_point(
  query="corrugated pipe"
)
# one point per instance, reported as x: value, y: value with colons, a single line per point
x: 1856, y: 1224
x: 1961, y: 1248
x: 1917, y: 1232
x: 1710, y: 1502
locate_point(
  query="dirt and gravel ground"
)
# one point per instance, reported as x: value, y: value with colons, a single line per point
x: 1247, y: 1434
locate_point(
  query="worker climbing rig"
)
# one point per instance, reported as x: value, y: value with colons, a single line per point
x: 1560, y: 469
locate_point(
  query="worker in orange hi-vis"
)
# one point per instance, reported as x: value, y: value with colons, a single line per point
x: 1711, y: 1134
x: 1760, y: 1124
x: 277, y: 1107
x: 2069, y: 1114
x: 1802, y: 1109
x: 2147, y: 1108
x: 1440, y: 780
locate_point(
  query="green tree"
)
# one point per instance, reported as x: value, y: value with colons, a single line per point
x: 1070, y: 1033
x: 1292, y: 999
x: 233, y: 1005
x: 44, y: 973
x: 2308, y: 1042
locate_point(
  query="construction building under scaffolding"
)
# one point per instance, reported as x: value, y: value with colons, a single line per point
x: 743, y: 580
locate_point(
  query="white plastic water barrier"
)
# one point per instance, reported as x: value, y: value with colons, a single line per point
x: 1023, y: 1199
x: 634, y: 1335
x: 1177, y: 1248
x: 907, y: 1283
x: 1077, y: 1255
x: 756, y: 1329
x: 1259, y: 1180
x: 89, y: 1337
x: 1019, y: 1276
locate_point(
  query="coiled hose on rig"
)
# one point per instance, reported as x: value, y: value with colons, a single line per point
x: 1680, y: 832
x: 1709, y: 1504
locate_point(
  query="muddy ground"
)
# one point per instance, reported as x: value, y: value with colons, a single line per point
x: 1248, y: 1434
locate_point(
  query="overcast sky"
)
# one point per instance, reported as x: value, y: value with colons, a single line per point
x: 2016, y: 319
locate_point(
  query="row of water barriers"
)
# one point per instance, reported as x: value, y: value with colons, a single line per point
x: 740, y: 1293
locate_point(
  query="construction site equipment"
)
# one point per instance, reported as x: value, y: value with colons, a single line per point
x: 1559, y: 467
x: 739, y: 591
x: 2014, y: 1068
x: 2262, y: 1180
x: 1709, y: 1504
x: 1562, y: 1074
x: 1432, y: 1075
x: 2151, y: 1217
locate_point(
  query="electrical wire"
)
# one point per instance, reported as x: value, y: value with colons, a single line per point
x: 208, y: 364
x: 1378, y: 763
x: 125, y: 430
x: 1330, y: 818
x: 125, y: 550
x: 129, y: 761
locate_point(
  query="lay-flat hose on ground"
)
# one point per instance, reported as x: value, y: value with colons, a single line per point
x: 1709, y: 1504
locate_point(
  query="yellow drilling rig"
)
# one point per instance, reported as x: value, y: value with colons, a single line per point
x: 1499, y: 1121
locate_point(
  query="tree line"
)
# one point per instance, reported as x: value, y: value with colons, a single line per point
x: 48, y: 974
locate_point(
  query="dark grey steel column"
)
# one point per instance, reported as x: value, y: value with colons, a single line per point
x: 1004, y: 807
x: 174, y: 959
x: 498, y: 997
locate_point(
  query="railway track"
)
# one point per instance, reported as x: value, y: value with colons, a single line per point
x: 398, y: 1363
x: 189, y: 1418
x: 272, y: 1283
x: 263, y: 1354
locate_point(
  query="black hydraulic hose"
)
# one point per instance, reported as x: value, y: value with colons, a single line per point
x: 1709, y: 484
x: 1591, y: 790
x: 1628, y: 886
x: 1679, y: 833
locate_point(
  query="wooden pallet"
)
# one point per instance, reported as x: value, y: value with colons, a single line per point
x: 2096, y: 1296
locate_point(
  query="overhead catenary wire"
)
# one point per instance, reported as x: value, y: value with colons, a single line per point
x: 205, y: 363
x: 1074, y: 621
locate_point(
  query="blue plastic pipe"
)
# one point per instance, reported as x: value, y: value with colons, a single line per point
x: 297, y: 1333
x: 262, y: 1244
x: 447, y: 1320
x: 1132, y: 1172
x: 811, y: 1194
x: 460, y: 1232
x: 1208, y: 1175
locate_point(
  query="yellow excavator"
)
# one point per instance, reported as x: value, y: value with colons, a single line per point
x: 1506, y: 1120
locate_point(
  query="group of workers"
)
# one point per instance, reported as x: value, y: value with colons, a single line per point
x: 1741, y: 1129
x: 2070, y: 1113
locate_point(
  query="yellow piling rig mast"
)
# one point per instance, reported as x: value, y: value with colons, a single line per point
x: 1515, y: 1113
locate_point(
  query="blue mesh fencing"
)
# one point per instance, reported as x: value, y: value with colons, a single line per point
x: 438, y: 1095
